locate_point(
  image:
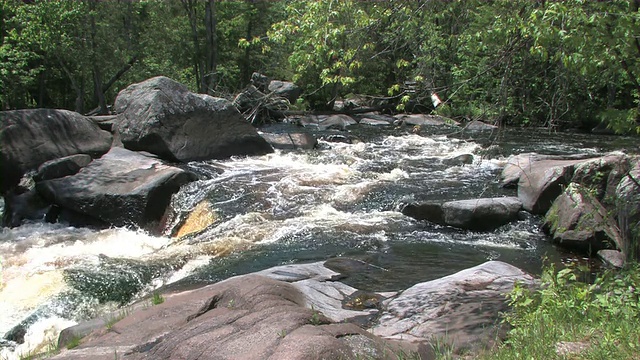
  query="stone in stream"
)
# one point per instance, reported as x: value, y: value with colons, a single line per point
x: 161, y: 116
x: 123, y: 188
x: 296, y: 312
x: 28, y: 138
x: 483, y: 214
x: 290, y: 141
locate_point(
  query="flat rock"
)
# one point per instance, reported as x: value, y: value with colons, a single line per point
x: 423, y: 119
x: 481, y: 214
x: 290, y: 141
x: 459, y: 309
x: 62, y: 167
x: 29, y: 138
x: 121, y: 188
x: 477, y: 125
x: 162, y: 117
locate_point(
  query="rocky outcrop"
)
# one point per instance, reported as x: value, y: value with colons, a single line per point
x: 458, y: 309
x: 476, y: 214
x: 628, y: 212
x: 162, y: 117
x: 121, y: 188
x: 62, y: 167
x: 577, y: 220
x: 29, y: 138
x: 476, y: 125
x: 298, y: 312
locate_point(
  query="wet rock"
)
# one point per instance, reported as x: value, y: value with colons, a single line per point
x: 339, y: 138
x: 476, y: 125
x: 65, y: 166
x: 162, y: 117
x: 458, y: 160
x: 291, y: 141
x: 26, y: 206
x: 481, y: 214
x: 121, y: 188
x: 286, y: 89
x: 576, y: 220
x: 336, y: 122
x: 29, y: 138
x: 423, y: 119
x: 517, y: 164
x: 425, y: 211
x: 373, y: 119
x: 459, y: 309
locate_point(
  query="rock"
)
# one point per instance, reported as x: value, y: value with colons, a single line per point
x: 248, y: 98
x: 458, y: 160
x: 19, y: 208
x: 162, y: 117
x: 425, y: 211
x: 336, y: 122
x: 29, y: 138
x: 246, y: 317
x: 65, y: 166
x: 290, y: 141
x: 261, y: 82
x: 517, y: 164
x: 481, y: 214
x: 577, y: 220
x: 374, y: 122
x: 121, y: 188
x: 287, y: 90
x: 459, y: 309
x: 602, y: 175
x: 613, y: 258
x: 423, y: 119
x: 628, y: 213
x: 476, y: 125
x: 542, y: 181
x: 570, y: 349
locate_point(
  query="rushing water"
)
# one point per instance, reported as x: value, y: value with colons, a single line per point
x: 247, y: 214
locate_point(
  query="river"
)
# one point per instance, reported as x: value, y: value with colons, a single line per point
x: 248, y: 214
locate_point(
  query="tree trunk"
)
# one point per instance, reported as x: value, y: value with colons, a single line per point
x: 190, y: 8
x: 211, y: 63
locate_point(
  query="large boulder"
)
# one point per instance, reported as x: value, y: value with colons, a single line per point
x: 29, y: 138
x: 459, y: 309
x: 424, y: 119
x: 475, y: 214
x: 246, y: 317
x: 285, y: 89
x: 576, y: 220
x: 628, y: 212
x: 162, y: 117
x: 517, y: 164
x: 121, y: 188
x: 542, y: 181
x: 481, y: 214
x: 602, y: 175
x: 291, y: 141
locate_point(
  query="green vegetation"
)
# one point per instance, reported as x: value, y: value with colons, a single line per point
x: 556, y: 64
x: 599, y: 318
x: 157, y: 298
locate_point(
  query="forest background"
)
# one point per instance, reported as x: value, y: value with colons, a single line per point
x: 557, y: 64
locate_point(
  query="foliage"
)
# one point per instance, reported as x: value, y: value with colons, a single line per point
x: 603, y: 314
x: 556, y: 64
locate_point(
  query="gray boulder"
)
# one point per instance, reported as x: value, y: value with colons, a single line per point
x: 62, y: 167
x: 458, y: 160
x: 121, y: 188
x: 423, y: 119
x: 162, y: 117
x: 602, y: 175
x: 576, y: 220
x: 285, y: 89
x: 29, y: 138
x: 481, y: 214
x: 290, y: 141
x: 336, y: 122
x: 628, y: 211
x: 429, y: 211
x: 542, y: 181
x: 476, y: 125
x: 459, y: 309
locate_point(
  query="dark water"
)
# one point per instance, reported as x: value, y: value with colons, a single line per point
x: 248, y: 214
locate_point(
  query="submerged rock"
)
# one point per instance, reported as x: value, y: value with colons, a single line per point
x: 162, y: 117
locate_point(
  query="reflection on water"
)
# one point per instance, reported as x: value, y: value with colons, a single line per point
x: 249, y: 214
